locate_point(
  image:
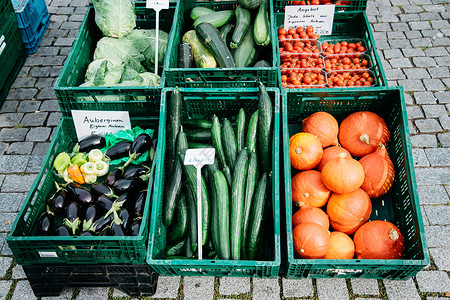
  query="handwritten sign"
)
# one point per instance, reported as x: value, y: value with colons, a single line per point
x: 157, y: 4
x: 320, y: 17
x: 89, y: 122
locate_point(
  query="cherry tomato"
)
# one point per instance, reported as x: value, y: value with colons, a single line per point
x: 282, y: 31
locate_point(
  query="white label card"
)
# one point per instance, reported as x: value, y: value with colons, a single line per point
x: 101, y: 122
x: 157, y: 4
x: 200, y: 156
x: 320, y: 17
x: 49, y: 254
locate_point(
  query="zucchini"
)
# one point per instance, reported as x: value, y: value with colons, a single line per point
x: 200, y: 145
x: 210, y: 37
x: 250, y: 4
x: 216, y: 19
x: 252, y: 132
x: 197, y: 123
x: 265, y: 115
x: 262, y: 64
x: 226, y: 32
x: 173, y: 125
x: 176, y: 249
x: 202, y: 57
x: 242, y: 26
x: 180, y: 229
x: 199, y: 11
x: 229, y: 143
x: 257, y: 217
x: 185, y: 56
x: 192, y: 216
x: 237, y: 204
x: 240, y: 130
x: 261, y: 26
x: 223, y: 215
x: 216, y: 134
x: 199, y: 135
x: 246, y: 53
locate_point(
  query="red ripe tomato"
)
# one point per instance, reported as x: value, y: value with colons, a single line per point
x: 291, y: 31
x: 282, y: 31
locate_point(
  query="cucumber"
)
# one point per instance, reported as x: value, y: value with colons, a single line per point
x: 226, y: 32
x: 173, y: 125
x: 240, y: 130
x: 188, y: 247
x: 197, y: 123
x: 242, y: 26
x: 202, y: 57
x: 200, y: 145
x: 229, y: 143
x: 214, y: 212
x: 246, y: 53
x: 199, y: 11
x: 216, y: 134
x: 227, y: 172
x: 199, y: 135
x: 223, y: 214
x: 216, y: 19
x: 192, y: 216
x: 176, y: 249
x: 252, y: 132
x: 210, y: 37
x: 262, y: 64
x: 250, y: 4
x: 185, y: 56
x: 257, y: 216
x: 182, y: 142
x: 265, y: 116
x: 180, y: 230
x: 261, y: 26
x: 237, y: 204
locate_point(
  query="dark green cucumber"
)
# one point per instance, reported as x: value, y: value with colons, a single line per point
x: 247, y: 52
x: 265, y: 116
x: 216, y: 19
x: 202, y: 57
x: 216, y: 134
x: 237, y: 204
x: 226, y: 32
x: 199, y: 11
x: 199, y: 135
x: 250, y: 4
x: 180, y: 230
x: 192, y: 216
x: 182, y: 142
x: 229, y: 143
x: 252, y: 131
x: 185, y: 56
x: 188, y: 247
x: 212, y: 168
x: 240, y: 130
x: 261, y: 64
x: 209, y: 36
x: 227, y: 172
x: 176, y: 249
x: 257, y: 216
x: 261, y: 26
x: 200, y: 145
x: 197, y: 123
x: 223, y: 215
x: 173, y: 125
x: 252, y: 180
x: 242, y: 26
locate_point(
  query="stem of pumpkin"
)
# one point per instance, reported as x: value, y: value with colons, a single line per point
x: 298, y: 150
x: 300, y: 203
x: 393, y: 234
x: 364, y: 138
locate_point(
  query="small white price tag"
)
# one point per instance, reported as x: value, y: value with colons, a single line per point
x: 198, y: 158
x: 101, y: 122
x: 47, y: 254
x: 320, y: 17
x: 157, y: 4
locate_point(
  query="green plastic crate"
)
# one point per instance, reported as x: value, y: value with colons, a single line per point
x: 200, y: 103
x: 347, y: 26
x: 6, y: 13
x: 72, y: 97
x: 37, y: 250
x: 352, y: 5
x: 215, y: 77
x: 399, y: 206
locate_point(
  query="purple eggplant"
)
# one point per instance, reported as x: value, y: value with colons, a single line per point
x: 111, y: 207
x: 93, y: 141
x: 90, y: 215
x: 46, y: 223
x: 57, y: 202
x: 139, y: 204
x: 119, y: 150
x: 136, y: 171
x: 135, y: 228
x: 102, y: 222
x: 117, y: 230
x: 104, y: 202
x: 86, y: 233
x: 99, y: 189
x: 126, y: 218
x: 115, y: 175
x: 73, y: 213
x: 140, y: 145
x: 130, y: 185
x: 62, y: 230
x: 79, y: 194
x: 107, y: 231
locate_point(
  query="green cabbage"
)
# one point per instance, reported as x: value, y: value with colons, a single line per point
x: 122, y: 49
x: 144, y: 40
x: 115, y: 18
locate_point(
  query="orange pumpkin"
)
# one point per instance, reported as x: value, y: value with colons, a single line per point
x: 308, y: 188
x: 311, y: 214
x: 379, y: 240
x: 341, y: 246
x: 361, y: 132
x: 306, y: 151
x: 342, y: 174
x: 324, y: 126
x: 330, y: 153
x: 379, y: 172
x: 311, y: 240
x: 347, y: 212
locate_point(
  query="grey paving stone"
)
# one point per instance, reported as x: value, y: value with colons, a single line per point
x: 76, y: 18
x: 432, y: 194
x: 445, y: 122
x: 400, y: 63
x: 411, y: 34
x: 437, y: 236
x: 18, y: 272
x: 11, y: 202
x: 64, y: 41
x: 432, y: 176
x: 9, y: 106
x: 47, y: 51
x: 24, y: 94
x: 436, y: 51
x: 234, y: 285
x: 56, y: 70
x: 197, y: 286
x: 394, y: 74
x: 413, y: 85
x: 13, y: 163
x: 421, y: 42
x: 433, y: 281
x: 414, y: 112
x: 5, y: 286
x: 425, y: 98
x: 444, y: 139
x: 411, y: 9
x: 6, y: 221
x: 65, y: 295
x: 65, y: 10
x: 438, y: 215
x: 17, y: 183
x: 55, y: 60
x: 416, y: 73
x: 5, y: 263
x: 49, y: 105
x: 424, y: 62
x: 22, y: 291
x: 365, y: 287
x: 409, y: 100
x: 335, y: 288
x: 439, y: 72
x: 412, y: 129
x: 3, y: 148
x: 40, y: 71
x: 34, y: 119
x: 388, y: 17
x: 40, y: 149
x: 54, y: 119
x: 22, y: 82
x: 38, y: 134
x: 420, y: 25
x: 434, y: 33
x: 433, y: 84
x: 35, y: 164
x: 382, y: 27
x: 10, y: 119
x: 440, y: 257
x: 419, y: 158
x: 428, y: 125
x: 438, y: 156
x: 167, y: 287
x: 298, y: 287
x: 28, y: 106
x: 266, y: 289
x: 409, y: 17
x: 396, y: 35
x: 413, y: 52
x: 440, y: 41
x: 443, y: 61
x: 392, y: 53
x: 33, y: 61
x: 46, y: 93
x: 399, y: 289
x: 425, y: 220
x: 90, y: 293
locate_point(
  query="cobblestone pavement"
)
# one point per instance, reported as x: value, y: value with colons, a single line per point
x: 413, y: 41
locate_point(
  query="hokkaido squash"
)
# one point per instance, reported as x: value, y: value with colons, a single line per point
x: 310, y: 214
x: 308, y: 188
x: 311, y: 240
x: 341, y: 246
x: 342, y: 174
x: 379, y: 240
x: 347, y: 212
x: 305, y: 151
x: 361, y: 132
x: 379, y: 172
x: 324, y: 126
x: 330, y: 153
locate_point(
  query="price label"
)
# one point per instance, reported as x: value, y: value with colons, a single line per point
x: 200, y: 156
x: 48, y: 254
x: 157, y: 4
x: 320, y: 17
x: 89, y: 122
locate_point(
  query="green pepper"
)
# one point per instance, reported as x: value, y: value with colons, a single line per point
x: 79, y: 159
x: 61, y: 162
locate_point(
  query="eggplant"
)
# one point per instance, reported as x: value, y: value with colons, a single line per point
x: 46, y: 223
x: 130, y: 185
x: 107, y: 231
x: 93, y: 141
x: 115, y: 175
x: 99, y: 189
x: 57, y: 202
x: 86, y: 233
x: 105, y: 202
x: 119, y: 150
x: 102, y: 222
x: 136, y: 171
x: 90, y: 215
x: 79, y: 194
x: 112, y: 207
x: 139, y: 204
x: 135, y: 228
x: 126, y: 218
x: 62, y: 230
x: 117, y: 230
x: 72, y: 220
x: 140, y: 145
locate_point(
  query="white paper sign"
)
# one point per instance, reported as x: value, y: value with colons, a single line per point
x: 157, y: 4
x: 320, y: 17
x: 101, y: 122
